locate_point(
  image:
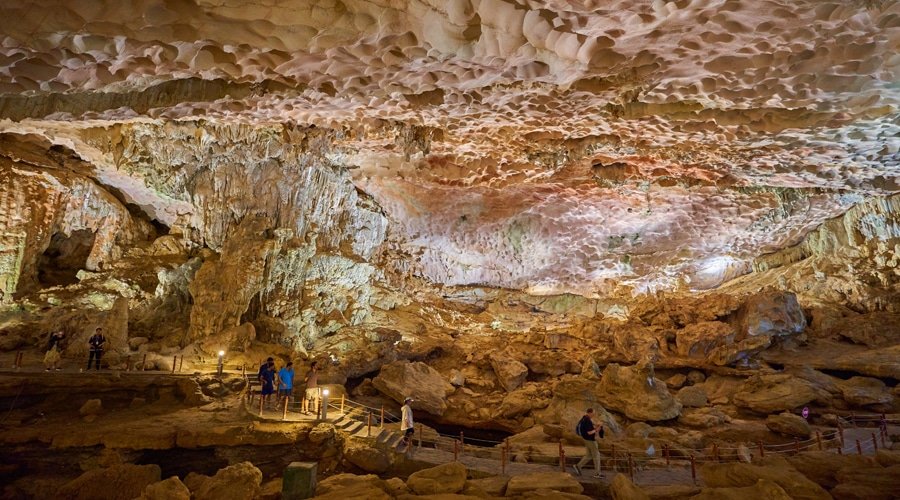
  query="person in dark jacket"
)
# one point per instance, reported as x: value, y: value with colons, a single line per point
x: 589, y: 433
x: 96, y: 342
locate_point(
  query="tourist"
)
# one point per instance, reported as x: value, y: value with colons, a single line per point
x: 286, y: 381
x: 407, y: 426
x: 54, y: 348
x: 588, y: 432
x: 312, y: 389
x: 96, y: 351
x: 267, y: 379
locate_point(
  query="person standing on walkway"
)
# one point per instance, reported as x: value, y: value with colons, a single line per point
x: 589, y: 433
x: 286, y: 381
x: 312, y: 389
x: 96, y: 351
x: 407, y: 426
x: 54, y: 348
x: 267, y: 379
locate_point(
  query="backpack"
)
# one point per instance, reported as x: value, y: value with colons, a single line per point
x: 578, y: 431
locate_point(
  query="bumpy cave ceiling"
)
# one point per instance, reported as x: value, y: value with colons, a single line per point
x: 547, y: 146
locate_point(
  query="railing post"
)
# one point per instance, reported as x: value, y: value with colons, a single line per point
x: 797, y: 446
x: 819, y: 439
x: 382, y: 416
x: 462, y: 443
x: 715, y: 452
x: 852, y: 420
x: 420, y: 436
x: 693, y: 470
x: 840, y: 432
x: 455, y: 450
x: 874, y: 442
x: 181, y: 363
x: 666, y: 453
x: 369, y: 424
x: 631, y: 467
x: 144, y: 363
x: 562, y: 456
x: 342, y: 404
x: 858, y: 447
x: 284, y: 413
x: 762, y: 450
x: 174, y: 363
x: 243, y: 370
x: 502, y: 460
x: 262, y: 400
x: 615, y: 464
x: 128, y: 363
x: 840, y: 449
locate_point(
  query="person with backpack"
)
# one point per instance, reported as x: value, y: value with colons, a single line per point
x: 586, y: 430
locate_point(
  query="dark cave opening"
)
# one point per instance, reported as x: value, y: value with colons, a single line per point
x: 64, y: 257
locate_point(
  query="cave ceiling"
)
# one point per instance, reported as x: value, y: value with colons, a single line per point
x: 555, y: 146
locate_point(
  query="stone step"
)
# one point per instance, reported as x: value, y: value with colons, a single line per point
x: 394, y: 440
x: 354, y: 427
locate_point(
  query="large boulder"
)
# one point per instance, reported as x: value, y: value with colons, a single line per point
x: 556, y: 481
x: 862, y: 391
x: 636, y: 393
x: 763, y: 489
x: 697, y: 340
x: 119, y: 482
x: 770, y: 314
x: 702, y: 417
x: 235, y: 482
x: 445, y: 478
x: 351, y: 486
x: 880, y: 482
x: 169, y: 489
x: 623, y: 489
x: 427, y: 387
x: 822, y: 466
x: 774, y: 393
x: 739, y: 352
x: 789, y: 425
x: 777, y: 470
x: 510, y: 372
x: 692, y: 396
x: 366, y: 457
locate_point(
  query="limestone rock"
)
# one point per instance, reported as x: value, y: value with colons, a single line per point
x: 763, y: 488
x: 702, y: 417
x: 739, y: 352
x: 623, y: 489
x: 676, y: 381
x: 351, y: 486
x: 494, y: 486
x: 235, y: 482
x: 863, y: 391
x: 778, y: 471
x: 124, y: 481
x: 570, y: 398
x: 91, y: 407
x: 427, y: 387
x: 168, y: 489
x: 510, y: 371
x: 699, y: 339
x: 880, y: 482
x: 695, y: 377
x: 822, y: 466
x: 691, y: 397
x: 444, y: 478
x: 321, y: 433
x: 366, y: 457
x: 789, y: 424
x: 556, y: 481
x: 771, y: 313
x: 636, y: 394
x: 773, y: 393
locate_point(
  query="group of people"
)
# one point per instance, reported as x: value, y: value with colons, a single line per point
x: 56, y: 345
x: 281, y: 381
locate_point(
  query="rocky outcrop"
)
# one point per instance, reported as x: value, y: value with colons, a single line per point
x: 345, y: 486
x: 771, y: 314
x: 789, y: 425
x: 864, y: 391
x: 778, y: 471
x: 445, y: 478
x: 699, y: 339
x: 235, y: 482
x: 774, y: 393
x: 366, y: 457
x: 118, y: 482
x: 553, y: 481
x: 510, y: 371
x: 636, y: 394
x: 425, y: 385
x: 622, y: 488
x: 169, y: 489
